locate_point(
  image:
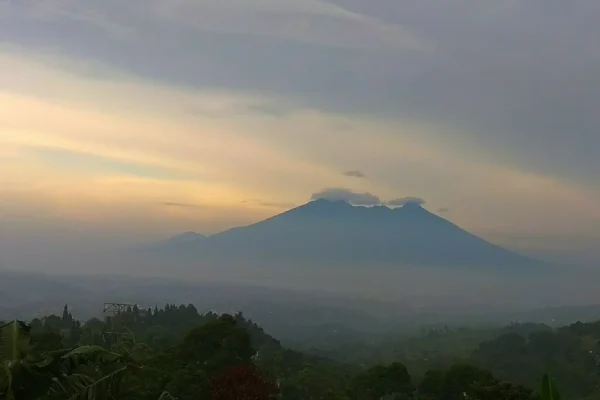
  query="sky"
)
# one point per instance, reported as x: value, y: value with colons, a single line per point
x: 122, y: 122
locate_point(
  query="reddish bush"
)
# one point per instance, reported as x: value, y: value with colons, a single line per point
x: 242, y: 383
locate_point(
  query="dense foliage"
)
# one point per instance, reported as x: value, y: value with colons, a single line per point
x: 572, y: 354
x: 177, y: 353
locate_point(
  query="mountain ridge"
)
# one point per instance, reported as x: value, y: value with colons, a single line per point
x: 325, y: 232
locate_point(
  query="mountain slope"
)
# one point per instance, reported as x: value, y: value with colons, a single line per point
x: 334, y: 232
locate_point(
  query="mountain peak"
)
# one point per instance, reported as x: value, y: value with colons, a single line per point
x: 327, y: 202
x: 412, y: 205
x: 329, y: 232
x: 412, y: 208
x: 323, y: 206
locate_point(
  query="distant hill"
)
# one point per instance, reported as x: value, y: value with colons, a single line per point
x: 184, y: 238
x: 324, y: 232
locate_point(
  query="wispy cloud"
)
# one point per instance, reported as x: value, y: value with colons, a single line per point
x: 355, y: 173
x: 269, y: 204
x: 308, y: 21
x: 277, y: 205
x: 405, y: 200
x: 181, y: 205
x: 337, y: 194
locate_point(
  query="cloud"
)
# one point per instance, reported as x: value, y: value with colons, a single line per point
x: 269, y: 204
x: 347, y: 195
x: 485, y: 56
x: 405, y: 200
x: 313, y: 53
x: 307, y: 21
x: 181, y: 205
x: 355, y: 173
x: 277, y: 205
x: 131, y: 117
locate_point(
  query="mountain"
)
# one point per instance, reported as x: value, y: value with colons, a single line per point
x: 184, y: 238
x: 324, y: 232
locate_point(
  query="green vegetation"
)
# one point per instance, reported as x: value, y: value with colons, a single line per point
x: 549, y: 390
x: 177, y: 353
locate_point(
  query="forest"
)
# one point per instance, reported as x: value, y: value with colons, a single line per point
x: 177, y: 353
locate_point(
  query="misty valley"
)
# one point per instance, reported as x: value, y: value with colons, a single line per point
x: 265, y: 311
x: 286, y: 344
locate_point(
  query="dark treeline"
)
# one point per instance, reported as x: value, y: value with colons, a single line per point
x: 176, y: 352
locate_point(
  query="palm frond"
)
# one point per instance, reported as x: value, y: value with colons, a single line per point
x: 66, y: 386
x: 167, y: 396
x: 49, y: 361
x: 15, y: 345
x: 104, y: 388
x: 72, y: 380
x: 15, y: 341
x: 86, y: 355
x: 6, y: 381
x: 95, y: 353
x: 549, y: 390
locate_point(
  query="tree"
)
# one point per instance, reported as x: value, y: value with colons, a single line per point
x: 465, y: 381
x: 500, y: 390
x: 67, y: 318
x: 432, y: 385
x: 392, y: 380
x: 460, y: 378
x: 46, y: 341
x: 217, y: 344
